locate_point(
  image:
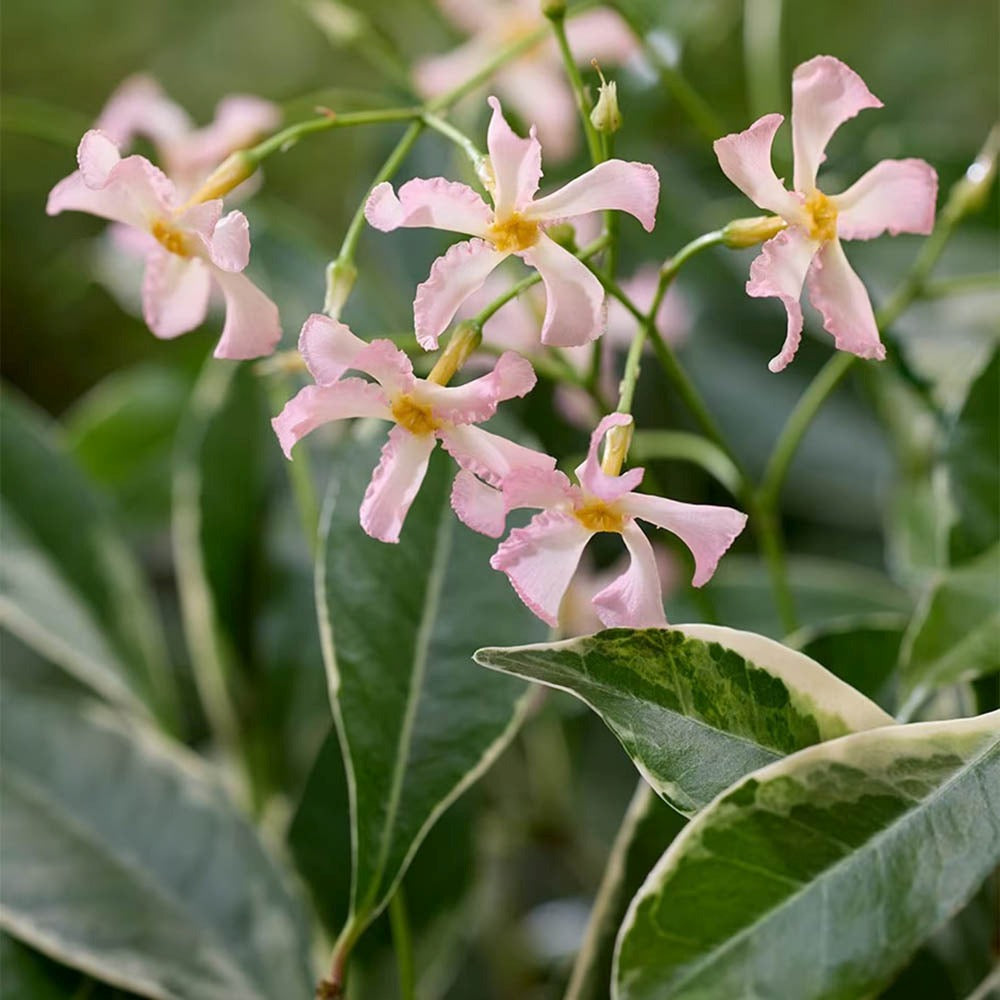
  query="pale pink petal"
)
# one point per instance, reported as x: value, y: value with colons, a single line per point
x: 745, y: 158
x: 540, y: 560
x: 476, y: 401
x: 574, y: 299
x: 538, y: 487
x: 825, y: 94
x: 97, y: 156
x: 437, y: 75
x: 387, y: 364
x: 516, y: 162
x: 140, y: 107
x: 575, y: 405
x: 897, y: 196
x: 436, y: 203
x: 634, y: 599
x: 538, y: 90
x: 230, y: 242
x: 614, y: 184
x: 328, y: 348
x: 490, y: 456
x: 469, y: 18
x: 602, y: 35
x: 477, y: 505
x: 319, y: 404
x: 779, y: 271
x: 453, y: 278
x: 252, y: 328
x: 201, y: 220
x: 239, y: 120
x: 592, y: 478
x: 837, y: 292
x: 395, y: 483
x: 706, y: 530
x: 175, y: 293
x: 131, y: 241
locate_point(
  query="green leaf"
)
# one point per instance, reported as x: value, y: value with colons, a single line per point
x: 955, y: 633
x: 647, y: 829
x: 862, y: 650
x: 60, y: 513
x: 973, y: 463
x: 822, y: 872
x: 416, y: 721
x: 38, y: 606
x: 122, y: 435
x: 123, y: 858
x: 698, y: 706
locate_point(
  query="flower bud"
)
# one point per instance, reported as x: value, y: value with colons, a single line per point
x: 742, y: 233
x: 616, y: 446
x: 340, y: 277
x: 554, y: 8
x: 466, y: 338
x: 606, y: 116
x: 232, y: 171
x: 969, y: 193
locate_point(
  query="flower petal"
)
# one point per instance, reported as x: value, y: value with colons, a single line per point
x: 229, y: 246
x: 436, y: 203
x: 469, y: 18
x: 602, y: 35
x: 634, y: 599
x: 593, y: 478
x: 139, y: 106
x: 387, y: 364
x: 779, y: 271
x: 706, y: 530
x: 453, y: 278
x: 516, y: 162
x: 825, y: 94
x: 745, y: 158
x: 540, y: 488
x: 175, y: 293
x: 476, y: 401
x: 328, y: 348
x: 614, y: 184
x: 897, y: 196
x: 490, y: 456
x: 477, y: 505
x: 395, y: 483
x: 540, y: 560
x: 252, y: 328
x: 319, y: 404
x: 437, y: 75
x: 239, y: 120
x: 838, y: 293
x: 574, y: 299
x: 538, y: 91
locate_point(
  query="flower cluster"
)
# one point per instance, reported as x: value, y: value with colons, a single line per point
x: 177, y: 224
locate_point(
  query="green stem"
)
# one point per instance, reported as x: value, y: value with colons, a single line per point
x: 762, y: 55
x: 583, y: 102
x: 403, y: 944
x: 960, y: 284
x: 476, y: 156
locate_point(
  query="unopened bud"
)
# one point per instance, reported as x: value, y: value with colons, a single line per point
x: 606, y: 116
x: 466, y: 338
x: 343, y: 25
x: 554, y: 8
x: 564, y: 234
x: 616, y: 446
x: 340, y: 278
x: 742, y: 233
x: 232, y: 171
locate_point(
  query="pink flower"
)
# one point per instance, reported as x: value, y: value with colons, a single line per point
x: 535, y: 85
x: 574, y: 312
x: 423, y: 413
x: 895, y: 195
x: 186, y: 247
x: 187, y: 155
x: 540, y: 559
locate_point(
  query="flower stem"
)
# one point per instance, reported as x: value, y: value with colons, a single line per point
x: 403, y: 944
x: 762, y: 55
x: 476, y: 156
x: 557, y: 19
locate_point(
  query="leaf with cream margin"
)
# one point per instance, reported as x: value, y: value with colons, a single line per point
x: 819, y: 875
x: 123, y: 858
x: 417, y: 722
x: 697, y: 706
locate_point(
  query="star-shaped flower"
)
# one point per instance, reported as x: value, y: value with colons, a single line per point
x: 897, y: 196
x: 516, y: 224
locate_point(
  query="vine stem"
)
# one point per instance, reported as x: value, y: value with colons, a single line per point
x: 557, y: 18
x: 402, y: 942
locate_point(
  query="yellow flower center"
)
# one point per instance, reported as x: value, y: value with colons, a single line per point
x: 170, y: 239
x: 600, y: 516
x: 513, y: 234
x: 822, y: 215
x: 413, y: 416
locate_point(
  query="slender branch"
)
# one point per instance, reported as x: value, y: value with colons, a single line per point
x: 402, y: 942
x: 476, y: 156
x: 557, y: 19
x: 961, y: 284
x: 762, y: 55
